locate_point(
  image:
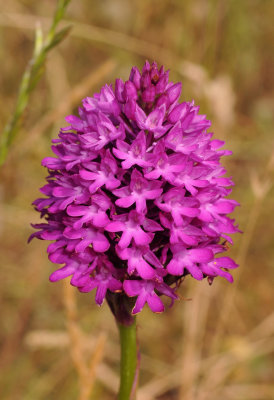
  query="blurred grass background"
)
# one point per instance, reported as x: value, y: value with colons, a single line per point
x: 218, y: 341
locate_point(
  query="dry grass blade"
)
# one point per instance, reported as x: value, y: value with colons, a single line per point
x: 106, y: 375
x: 14, y: 341
x: 195, y: 315
x: 112, y: 38
x: 44, y: 339
x: 214, y: 370
x: 47, y: 382
x: 264, y: 329
x: 248, y: 391
x: 260, y: 190
x: 86, y: 371
x: 47, y: 340
x: 96, y: 359
x: 241, y: 352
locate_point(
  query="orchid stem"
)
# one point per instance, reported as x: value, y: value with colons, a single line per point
x: 129, y: 361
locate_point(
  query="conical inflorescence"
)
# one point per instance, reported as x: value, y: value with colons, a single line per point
x: 136, y: 195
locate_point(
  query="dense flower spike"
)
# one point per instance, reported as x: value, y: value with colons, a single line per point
x: 135, y: 197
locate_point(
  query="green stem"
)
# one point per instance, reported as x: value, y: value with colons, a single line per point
x: 129, y: 361
x: 32, y: 75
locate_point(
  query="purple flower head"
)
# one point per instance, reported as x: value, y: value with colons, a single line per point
x: 136, y: 194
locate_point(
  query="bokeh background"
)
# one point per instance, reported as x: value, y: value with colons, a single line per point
x: 218, y: 341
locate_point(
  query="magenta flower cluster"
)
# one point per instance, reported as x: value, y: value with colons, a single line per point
x: 136, y: 195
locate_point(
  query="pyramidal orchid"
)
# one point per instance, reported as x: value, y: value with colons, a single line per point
x: 136, y: 196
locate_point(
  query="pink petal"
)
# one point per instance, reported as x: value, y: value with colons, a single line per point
x: 76, y: 211
x: 61, y: 273
x: 140, y: 302
x: 125, y: 202
x: 101, y: 293
x: 100, y: 220
x: 201, y: 255
x: 125, y: 239
x: 142, y: 238
x: 100, y: 243
x: 195, y: 272
x: 63, y: 192
x: 115, y: 226
x: 145, y: 270
x: 155, y: 303
x: 132, y: 287
x: 175, y: 268
x: 87, y: 175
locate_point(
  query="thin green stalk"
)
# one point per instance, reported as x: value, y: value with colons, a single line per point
x: 32, y: 75
x: 129, y: 361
